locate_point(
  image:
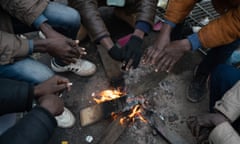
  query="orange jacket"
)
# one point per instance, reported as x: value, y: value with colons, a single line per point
x: 220, y: 31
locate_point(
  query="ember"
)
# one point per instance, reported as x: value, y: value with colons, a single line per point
x: 136, y: 113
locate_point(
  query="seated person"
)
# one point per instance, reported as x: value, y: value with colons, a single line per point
x: 222, y: 123
x: 58, y: 23
x: 144, y: 12
x: 37, y: 126
x: 220, y: 35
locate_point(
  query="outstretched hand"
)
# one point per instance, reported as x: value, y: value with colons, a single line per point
x: 171, y: 54
x: 132, y: 52
x: 202, y: 125
x: 116, y: 53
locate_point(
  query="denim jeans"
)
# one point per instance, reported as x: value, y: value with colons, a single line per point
x: 64, y: 19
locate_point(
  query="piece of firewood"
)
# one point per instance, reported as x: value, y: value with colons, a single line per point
x: 97, y: 112
x: 112, y: 67
x: 170, y: 135
x: 113, y: 131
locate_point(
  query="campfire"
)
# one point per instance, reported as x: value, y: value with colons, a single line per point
x: 125, y: 109
x: 132, y: 107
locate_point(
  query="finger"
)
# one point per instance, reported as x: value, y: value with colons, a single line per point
x: 171, y: 66
x: 161, y: 63
x: 191, y: 122
x: 197, y: 130
x: 62, y: 80
x: 156, y: 57
x: 129, y: 64
x: 77, y: 42
x: 71, y: 42
x: 164, y: 64
x: 203, y: 136
x: 136, y: 61
x: 75, y: 52
x: 69, y: 85
x: 149, y: 54
x: 61, y: 87
x: 82, y: 51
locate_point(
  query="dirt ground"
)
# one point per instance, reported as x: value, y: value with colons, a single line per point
x: 168, y: 98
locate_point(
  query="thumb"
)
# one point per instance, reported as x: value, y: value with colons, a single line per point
x: 60, y: 87
x: 71, y: 42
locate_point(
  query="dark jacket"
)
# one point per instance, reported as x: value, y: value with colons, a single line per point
x: 27, y: 11
x: 144, y: 9
x: 36, y: 127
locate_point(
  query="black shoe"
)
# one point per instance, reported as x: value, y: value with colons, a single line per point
x: 197, y: 89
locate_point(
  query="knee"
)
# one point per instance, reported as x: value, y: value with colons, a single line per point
x: 73, y: 20
x: 221, y: 73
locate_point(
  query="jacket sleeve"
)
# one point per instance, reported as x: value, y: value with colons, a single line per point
x: 36, y: 127
x: 12, y: 47
x: 177, y: 10
x: 15, y: 96
x: 145, y: 10
x: 224, y: 134
x: 91, y: 17
x: 229, y: 105
x: 25, y: 10
x: 221, y: 31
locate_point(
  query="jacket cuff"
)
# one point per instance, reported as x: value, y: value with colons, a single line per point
x: 30, y: 45
x: 173, y: 25
x: 39, y: 20
x: 229, y: 105
x: 195, y: 42
x: 224, y: 134
x: 143, y: 26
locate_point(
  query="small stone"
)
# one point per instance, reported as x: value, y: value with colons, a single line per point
x: 89, y: 139
x: 154, y: 133
x: 173, y: 117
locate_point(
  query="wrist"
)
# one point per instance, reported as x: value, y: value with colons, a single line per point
x: 107, y: 42
x: 40, y: 46
x: 186, y: 44
x: 138, y: 33
x: 37, y: 92
x: 46, y: 29
x: 219, y: 118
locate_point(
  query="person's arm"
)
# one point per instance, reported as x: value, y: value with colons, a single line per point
x: 145, y: 13
x: 25, y: 11
x: 177, y: 10
x: 15, y: 96
x: 222, y: 30
x: 36, y: 127
x: 91, y: 18
x: 224, y: 134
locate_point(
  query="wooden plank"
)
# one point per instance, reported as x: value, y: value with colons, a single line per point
x: 97, y: 112
x: 113, y: 131
x: 146, y: 83
x: 170, y: 136
x: 112, y: 68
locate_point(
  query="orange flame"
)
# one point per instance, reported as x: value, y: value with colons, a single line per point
x: 136, y: 113
x: 108, y: 95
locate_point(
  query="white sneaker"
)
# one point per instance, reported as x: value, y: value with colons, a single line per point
x: 81, y: 67
x: 66, y: 119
